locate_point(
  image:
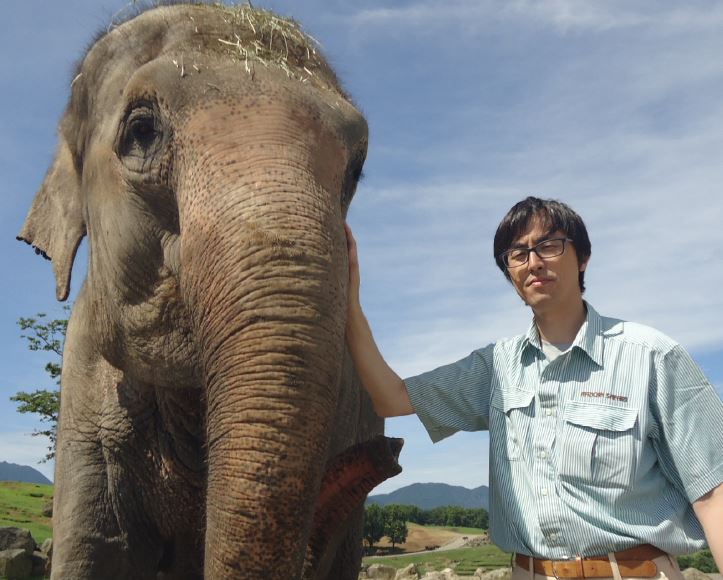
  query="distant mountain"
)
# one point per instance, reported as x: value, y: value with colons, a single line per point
x: 15, y: 472
x: 430, y: 495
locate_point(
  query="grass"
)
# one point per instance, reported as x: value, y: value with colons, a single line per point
x: 21, y: 506
x: 464, y: 560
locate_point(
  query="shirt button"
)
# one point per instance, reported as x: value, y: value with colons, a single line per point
x: 543, y: 454
x: 543, y: 491
x: 553, y: 536
x: 548, y: 412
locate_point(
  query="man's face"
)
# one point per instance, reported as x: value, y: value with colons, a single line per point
x: 550, y: 283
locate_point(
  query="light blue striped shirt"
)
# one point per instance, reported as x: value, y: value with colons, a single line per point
x: 602, y: 449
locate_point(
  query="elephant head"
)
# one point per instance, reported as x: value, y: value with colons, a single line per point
x: 210, y: 155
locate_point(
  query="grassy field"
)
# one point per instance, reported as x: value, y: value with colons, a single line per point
x: 21, y: 506
x: 465, y: 560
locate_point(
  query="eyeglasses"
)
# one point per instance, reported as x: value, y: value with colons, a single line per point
x: 551, y: 248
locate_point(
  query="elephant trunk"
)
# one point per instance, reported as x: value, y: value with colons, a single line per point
x: 265, y: 277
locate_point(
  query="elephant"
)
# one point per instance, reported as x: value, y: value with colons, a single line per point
x: 211, y: 422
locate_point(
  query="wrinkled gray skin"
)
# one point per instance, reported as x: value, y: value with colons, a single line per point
x: 205, y: 379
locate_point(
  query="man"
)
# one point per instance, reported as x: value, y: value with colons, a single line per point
x: 606, y: 440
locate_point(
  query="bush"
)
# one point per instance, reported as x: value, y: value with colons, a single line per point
x: 702, y: 561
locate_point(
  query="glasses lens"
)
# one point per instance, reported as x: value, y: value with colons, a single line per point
x: 550, y: 248
x: 516, y: 258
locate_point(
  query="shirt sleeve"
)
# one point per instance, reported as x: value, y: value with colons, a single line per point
x: 690, y: 415
x: 454, y: 397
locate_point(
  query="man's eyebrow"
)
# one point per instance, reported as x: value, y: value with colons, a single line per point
x: 534, y: 242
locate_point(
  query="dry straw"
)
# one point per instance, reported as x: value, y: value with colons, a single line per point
x: 263, y: 37
x: 259, y: 36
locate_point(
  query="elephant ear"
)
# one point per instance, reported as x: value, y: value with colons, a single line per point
x: 55, y: 224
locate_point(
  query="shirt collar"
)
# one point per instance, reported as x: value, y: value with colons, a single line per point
x: 589, y: 338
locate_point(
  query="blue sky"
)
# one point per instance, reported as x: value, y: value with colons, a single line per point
x: 614, y: 107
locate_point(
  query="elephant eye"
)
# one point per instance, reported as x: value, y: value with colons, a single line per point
x: 354, y: 176
x: 142, y: 133
x: 143, y: 130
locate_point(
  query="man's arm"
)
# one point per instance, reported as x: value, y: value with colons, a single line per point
x: 709, y: 510
x: 386, y: 389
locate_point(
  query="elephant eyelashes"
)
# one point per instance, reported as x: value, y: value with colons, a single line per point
x: 142, y: 136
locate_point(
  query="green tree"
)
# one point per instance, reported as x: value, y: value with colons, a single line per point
x: 455, y: 516
x: 46, y: 336
x: 479, y: 519
x: 373, y: 524
x: 395, y: 524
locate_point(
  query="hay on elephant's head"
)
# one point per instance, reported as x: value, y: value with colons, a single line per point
x: 256, y: 37
x: 260, y: 36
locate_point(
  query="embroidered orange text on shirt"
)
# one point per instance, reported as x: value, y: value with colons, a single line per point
x: 601, y: 395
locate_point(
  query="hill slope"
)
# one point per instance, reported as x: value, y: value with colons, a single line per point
x: 430, y: 495
x: 22, y: 506
x: 15, y: 472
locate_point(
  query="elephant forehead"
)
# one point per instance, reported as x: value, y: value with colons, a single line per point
x: 196, y: 46
x: 250, y: 36
x: 267, y: 143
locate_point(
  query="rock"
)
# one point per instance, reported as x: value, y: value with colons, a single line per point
x: 40, y: 563
x: 408, y: 573
x: 446, y: 574
x: 694, y: 574
x: 481, y: 540
x: 479, y: 572
x: 47, y: 547
x: 498, y: 574
x: 48, y: 509
x: 15, y: 564
x: 381, y: 572
x: 11, y: 538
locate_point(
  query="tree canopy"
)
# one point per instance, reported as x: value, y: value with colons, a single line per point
x: 44, y: 336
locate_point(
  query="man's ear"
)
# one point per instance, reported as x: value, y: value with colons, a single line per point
x: 583, y: 265
x: 55, y: 224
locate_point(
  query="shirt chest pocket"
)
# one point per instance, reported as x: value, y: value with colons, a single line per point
x: 597, y: 444
x: 510, y: 413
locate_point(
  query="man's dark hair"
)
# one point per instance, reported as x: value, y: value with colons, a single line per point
x: 554, y: 216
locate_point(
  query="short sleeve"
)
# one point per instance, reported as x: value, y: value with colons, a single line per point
x: 690, y: 415
x: 454, y: 397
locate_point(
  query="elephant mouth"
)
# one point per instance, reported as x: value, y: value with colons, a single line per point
x: 348, y: 478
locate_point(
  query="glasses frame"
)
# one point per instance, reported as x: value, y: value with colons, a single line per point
x: 505, y: 255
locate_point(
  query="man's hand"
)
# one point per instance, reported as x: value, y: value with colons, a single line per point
x: 354, y: 276
x: 386, y: 389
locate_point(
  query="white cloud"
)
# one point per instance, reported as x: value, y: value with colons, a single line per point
x: 564, y: 16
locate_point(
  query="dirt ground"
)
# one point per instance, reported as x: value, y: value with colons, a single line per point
x: 419, y: 537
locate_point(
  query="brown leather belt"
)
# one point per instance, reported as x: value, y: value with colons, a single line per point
x: 635, y: 562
